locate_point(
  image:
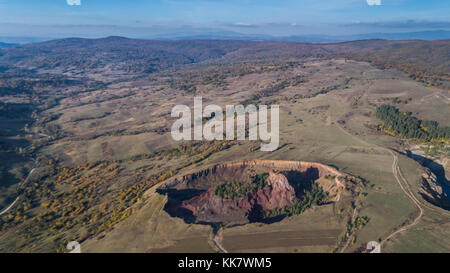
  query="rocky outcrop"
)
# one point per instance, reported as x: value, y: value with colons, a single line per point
x: 285, y: 165
x: 279, y: 193
x: 446, y: 164
x: 209, y: 207
x: 237, y: 167
x: 192, y: 196
x: 435, y: 187
x: 432, y: 191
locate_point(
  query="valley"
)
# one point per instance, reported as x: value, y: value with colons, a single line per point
x: 110, y: 175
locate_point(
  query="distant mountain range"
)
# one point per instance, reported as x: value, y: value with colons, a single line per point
x: 423, y: 35
x: 230, y: 35
x: 6, y: 45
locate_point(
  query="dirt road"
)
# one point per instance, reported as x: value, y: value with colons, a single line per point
x: 409, y: 194
x: 218, y: 239
x: 23, y: 183
x: 405, y: 188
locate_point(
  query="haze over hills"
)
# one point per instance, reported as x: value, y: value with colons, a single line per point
x: 423, y: 35
x: 428, y: 35
x: 7, y: 45
x: 313, y: 38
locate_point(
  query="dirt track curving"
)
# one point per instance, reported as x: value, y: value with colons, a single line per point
x: 405, y: 188
x: 17, y: 198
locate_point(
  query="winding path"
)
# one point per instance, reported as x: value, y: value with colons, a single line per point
x: 23, y: 183
x: 409, y: 194
x: 350, y: 237
x: 9, y: 207
x: 217, y: 238
x: 398, y: 177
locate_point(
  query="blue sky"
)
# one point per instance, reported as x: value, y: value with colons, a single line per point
x: 150, y: 18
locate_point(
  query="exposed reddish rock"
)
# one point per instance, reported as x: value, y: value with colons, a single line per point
x: 238, y: 169
x: 211, y: 208
x: 279, y: 194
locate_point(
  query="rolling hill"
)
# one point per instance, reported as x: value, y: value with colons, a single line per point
x: 86, y: 129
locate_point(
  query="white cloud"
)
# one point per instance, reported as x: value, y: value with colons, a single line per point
x: 74, y: 2
x: 242, y: 24
x: 374, y: 2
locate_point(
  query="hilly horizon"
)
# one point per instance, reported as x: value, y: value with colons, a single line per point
x: 163, y: 54
x: 429, y: 35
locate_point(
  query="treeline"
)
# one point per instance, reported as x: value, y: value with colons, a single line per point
x: 234, y: 189
x: 403, y: 124
x: 274, y: 89
x: 65, y: 204
x: 423, y: 61
x: 216, y: 75
x: 312, y: 196
x: 15, y: 110
x: 25, y: 82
